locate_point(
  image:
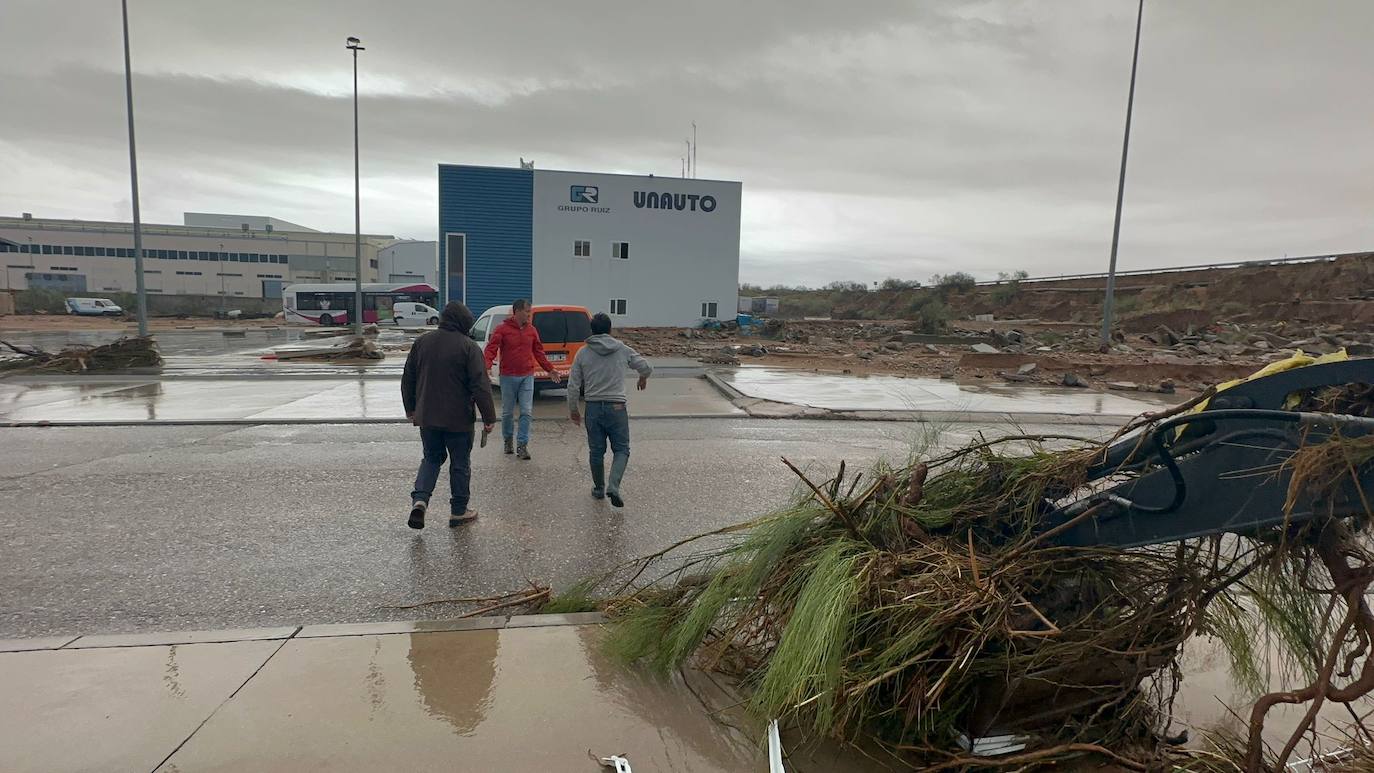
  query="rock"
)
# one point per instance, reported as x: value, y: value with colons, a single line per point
x: 1027, y: 369
x: 1261, y: 344
x: 1073, y: 380
x: 1013, y: 376
x: 985, y: 349
x: 1166, y: 386
x: 1015, y: 336
x: 892, y: 347
x: 1359, y: 350
x: 1123, y: 386
x: 946, y: 374
x: 754, y: 351
x: 865, y: 355
x: 1165, y: 337
x: 932, y: 348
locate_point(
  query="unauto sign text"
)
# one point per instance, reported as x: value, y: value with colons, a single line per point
x: 689, y: 201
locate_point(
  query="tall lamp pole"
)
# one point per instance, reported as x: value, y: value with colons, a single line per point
x: 1107, y: 307
x: 355, y: 46
x: 133, y: 180
x: 694, y: 149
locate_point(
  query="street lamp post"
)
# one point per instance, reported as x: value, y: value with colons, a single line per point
x: 133, y: 180
x: 1110, y: 302
x: 355, y: 46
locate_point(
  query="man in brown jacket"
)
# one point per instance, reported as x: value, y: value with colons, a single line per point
x: 445, y: 376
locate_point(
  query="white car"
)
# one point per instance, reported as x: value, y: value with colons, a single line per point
x: 407, y: 314
x: 93, y: 307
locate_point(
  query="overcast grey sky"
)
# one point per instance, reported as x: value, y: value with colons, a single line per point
x: 874, y: 138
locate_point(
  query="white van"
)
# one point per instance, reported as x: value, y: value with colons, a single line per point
x: 407, y: 314
x: 93, y: 307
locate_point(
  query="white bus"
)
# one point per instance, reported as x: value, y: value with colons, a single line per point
x: 331, y: 304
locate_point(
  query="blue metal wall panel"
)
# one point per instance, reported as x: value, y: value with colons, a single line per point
x: 495, y: 208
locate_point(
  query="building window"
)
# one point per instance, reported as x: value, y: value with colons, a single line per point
x: 188, y: 273
x: 88, y: 252
x: 620, y: 250
x: 709, y: 309
x: 47, y: 249
x: 371, y: 263
x: 582, y: 249
x: 618, y: 306
x: 62, y: 268
x: 224, y: 274
x: 100, y: 252
x: 152, y: 271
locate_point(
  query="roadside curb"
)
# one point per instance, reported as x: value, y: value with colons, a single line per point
x: 283, y: 633
x: 344, y: 421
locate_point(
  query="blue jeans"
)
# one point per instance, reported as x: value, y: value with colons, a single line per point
x: 513, y: 387
x: 608, y: 421
x: 455, y: 446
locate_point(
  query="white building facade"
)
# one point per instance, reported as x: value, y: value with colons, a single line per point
x: 409, y: 261
x: 650, y: 251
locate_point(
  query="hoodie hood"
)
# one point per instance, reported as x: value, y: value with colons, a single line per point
x: 604, y: 344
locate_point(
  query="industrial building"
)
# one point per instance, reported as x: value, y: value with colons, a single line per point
x: 210, y: 254
x: 651, y: 251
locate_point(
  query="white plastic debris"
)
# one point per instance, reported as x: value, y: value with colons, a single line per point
x: 617, y: 763
x: 774, y: 749
x: 992, y: 745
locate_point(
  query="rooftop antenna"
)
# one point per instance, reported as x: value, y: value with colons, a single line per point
x: 684, y: 166
x: 694, y: 148
x: 689, y: 156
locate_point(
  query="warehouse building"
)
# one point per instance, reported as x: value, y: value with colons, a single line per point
x: 211, y: 254
x: 651, y: 251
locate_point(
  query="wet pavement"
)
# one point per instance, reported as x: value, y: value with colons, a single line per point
x: 892, y: 393
x: 96, y: 399
x: 183, y: 528
x: 499, y: 698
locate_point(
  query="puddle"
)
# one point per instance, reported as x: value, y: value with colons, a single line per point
x: 892, y: 393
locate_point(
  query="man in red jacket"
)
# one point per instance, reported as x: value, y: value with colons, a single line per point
x: 517, y: 344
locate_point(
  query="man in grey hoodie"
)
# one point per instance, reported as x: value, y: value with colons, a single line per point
x: 598, y: 375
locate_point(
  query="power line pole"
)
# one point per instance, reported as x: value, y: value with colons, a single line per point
x: 1107, y: 307
x: 133, y: 180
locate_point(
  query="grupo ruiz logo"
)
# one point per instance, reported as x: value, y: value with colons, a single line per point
x: 689, y: 201
x: 583, y: 194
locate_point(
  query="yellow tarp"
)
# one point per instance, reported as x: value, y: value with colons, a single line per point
x: 1298, y: 360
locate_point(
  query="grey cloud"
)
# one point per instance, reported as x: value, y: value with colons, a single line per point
x: 873, y: 139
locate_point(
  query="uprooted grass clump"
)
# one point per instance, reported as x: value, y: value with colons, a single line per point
x: 928, y: 601
x: 125, y: 353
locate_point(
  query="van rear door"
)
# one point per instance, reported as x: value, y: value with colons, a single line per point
x: 563, y: 332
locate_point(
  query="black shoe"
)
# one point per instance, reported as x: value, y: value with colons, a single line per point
x: 467, y: 517
x: 521, y: 452
x: 598, y: 494
x: 616, y: 501
x: 417, y: 514
x: 510, y: 446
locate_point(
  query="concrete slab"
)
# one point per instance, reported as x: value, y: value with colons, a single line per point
x: 37, y: 643
x: 181, y: 637
x: 402, y: 626
x: 120, y: 709
x: 520, y: 699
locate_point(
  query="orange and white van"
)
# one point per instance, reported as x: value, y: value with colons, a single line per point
x: 563, y: 330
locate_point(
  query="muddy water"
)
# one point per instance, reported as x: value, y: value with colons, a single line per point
x: 891, y: 393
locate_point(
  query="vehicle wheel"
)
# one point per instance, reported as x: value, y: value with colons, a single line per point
x: 326, y: 320
x: 434, y: 321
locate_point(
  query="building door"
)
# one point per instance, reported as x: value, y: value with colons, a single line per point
x: 456, y: 252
